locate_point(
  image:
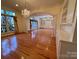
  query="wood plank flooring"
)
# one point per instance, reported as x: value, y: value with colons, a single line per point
x: 38, y: 44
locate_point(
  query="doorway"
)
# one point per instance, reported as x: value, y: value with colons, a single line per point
x: 33, y: 24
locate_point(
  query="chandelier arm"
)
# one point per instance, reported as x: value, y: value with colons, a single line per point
x: 25, y: 12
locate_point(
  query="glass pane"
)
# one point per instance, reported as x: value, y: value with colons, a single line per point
x: 2, y: 11
x: 13, y: 13
x: 3, y: 24
x: 10, y: 13
x: 11, y: 23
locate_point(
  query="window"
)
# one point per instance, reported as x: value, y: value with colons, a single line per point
x: 2, y: 11
x: 7, y: 21
x: 10, y: 21
x: 3, y: 24
x: 11, y: 13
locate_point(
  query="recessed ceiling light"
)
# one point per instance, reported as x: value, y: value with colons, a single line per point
x: 17, y: 5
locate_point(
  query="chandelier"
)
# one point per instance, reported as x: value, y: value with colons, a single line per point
x: 25, y: 12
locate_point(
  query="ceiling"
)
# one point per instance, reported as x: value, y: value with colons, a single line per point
x: 30, y: 4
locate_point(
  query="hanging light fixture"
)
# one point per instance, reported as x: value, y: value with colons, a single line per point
x: 25, y: 12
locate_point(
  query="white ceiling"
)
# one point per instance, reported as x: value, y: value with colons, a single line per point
x: 30, y: 4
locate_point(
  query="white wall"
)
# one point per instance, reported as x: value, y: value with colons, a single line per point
x: 67, y: 29
x: 65, y: 32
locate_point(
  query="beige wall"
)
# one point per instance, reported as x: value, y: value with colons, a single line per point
x: 21, y: 21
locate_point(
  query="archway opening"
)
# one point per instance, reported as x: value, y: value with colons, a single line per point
x: 41, y: 22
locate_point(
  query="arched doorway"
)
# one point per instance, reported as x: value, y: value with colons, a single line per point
x: 42, y: 22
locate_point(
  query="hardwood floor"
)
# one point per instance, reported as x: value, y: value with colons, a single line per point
x: 38, y: 44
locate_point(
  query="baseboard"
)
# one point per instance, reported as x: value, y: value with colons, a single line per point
x: 6, y: 35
